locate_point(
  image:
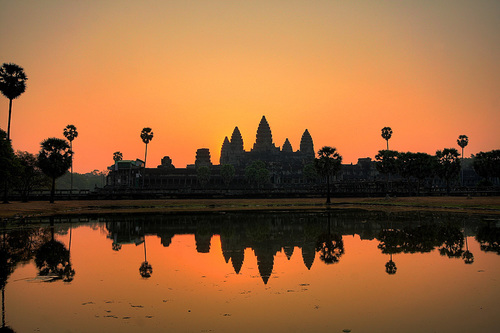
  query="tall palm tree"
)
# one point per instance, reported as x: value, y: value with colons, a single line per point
x: 462, y: 141
x: 387, y: 134
x: 54, y: 160
x: 12, y: 85
x: 146, y: 136
x: 70, y: 133
x: 328, y: 164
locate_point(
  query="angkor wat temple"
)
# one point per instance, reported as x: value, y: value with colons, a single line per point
x: 281, y: 172
x: 265, y: 150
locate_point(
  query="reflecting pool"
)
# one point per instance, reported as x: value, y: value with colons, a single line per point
x: 331, y: 271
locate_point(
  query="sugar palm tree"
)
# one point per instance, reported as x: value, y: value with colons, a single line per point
x: 12, y: 85
x: 387, y: 134
x: 54, y: 160
x: 462, y: 141
x: 71, y: 133
x: 146, y: 136
x: 117, y: 156
x: 328, y: 164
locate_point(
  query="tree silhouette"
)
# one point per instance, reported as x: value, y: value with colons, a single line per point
x: 257, y: 173
x: 487, y: 164
x: 462, y: 141
x: 203, y: 175
x: 12, y: 85
x: 29, y: 175
x: 117, y: 156
x: 70, y: 133
x: 54, y: 160
x: 227, y: 172
x: 387, y: 134
x: 388, y: 164
x: 7, y: 163
x: 390, y: 267
x: 146, y: 269
x: 448, y: 165
x: 146, y: 136
x: 328, y: 164
x: 467, y: 256
x: 330, y: 246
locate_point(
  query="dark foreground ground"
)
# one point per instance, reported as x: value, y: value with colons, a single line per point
x: 15, y: 209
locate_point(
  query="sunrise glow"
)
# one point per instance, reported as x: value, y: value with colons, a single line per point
x: 193, y: 70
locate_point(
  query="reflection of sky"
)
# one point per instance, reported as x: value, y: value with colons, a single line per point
x: 193, y: 70
x: 191, y: 291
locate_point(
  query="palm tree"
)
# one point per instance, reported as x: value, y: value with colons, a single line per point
x: 12, y: 85
x: 70, y: 133
x: 117, y: 156
x: 462, y: 141
x: 328, y: 164
x: 146, y: 136
x: 387, y: 134
x: 54, y: 160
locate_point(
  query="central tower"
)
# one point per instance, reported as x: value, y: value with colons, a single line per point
x: 264, y: 140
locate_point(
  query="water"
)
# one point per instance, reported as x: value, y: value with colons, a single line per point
x: 339, y: 271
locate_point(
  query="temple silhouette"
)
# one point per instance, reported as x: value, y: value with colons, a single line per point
x: 264, y: 149
x: 285, y: 168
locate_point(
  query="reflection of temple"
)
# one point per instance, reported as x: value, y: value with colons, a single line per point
x: 267, y: 234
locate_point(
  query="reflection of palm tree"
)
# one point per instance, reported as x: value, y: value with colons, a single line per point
x: 116, y: 246
x: 390, y: 267
x: 4, y: 328
x: 330, y: 247
x: 453, y: 242
x: 467, y: 256
x: 52, y: 259
x: 146, y: 269
x: 5, y: 270
x: 69, y: 272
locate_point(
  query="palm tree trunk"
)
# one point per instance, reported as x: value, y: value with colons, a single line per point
x: 8, y: 126
x: 53, y: 190
x: 144, y: 173
x: 462, y: 168
x: 387, y: 144
x: 71, y: 182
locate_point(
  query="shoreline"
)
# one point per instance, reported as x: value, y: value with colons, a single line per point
x: 473, y: 205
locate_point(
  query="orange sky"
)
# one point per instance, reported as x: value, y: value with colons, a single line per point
x: 193, y: 70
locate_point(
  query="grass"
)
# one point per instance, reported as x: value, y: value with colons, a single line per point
x: 490, y: 205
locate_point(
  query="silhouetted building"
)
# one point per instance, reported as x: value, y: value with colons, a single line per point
x: 265, y: 150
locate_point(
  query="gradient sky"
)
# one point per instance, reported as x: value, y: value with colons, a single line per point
x: 193, y: 70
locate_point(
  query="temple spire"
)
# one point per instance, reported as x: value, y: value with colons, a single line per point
x: 264, y: 137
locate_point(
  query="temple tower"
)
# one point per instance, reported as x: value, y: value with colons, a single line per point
x: 236, y: 141
x: 203, y: 157
x: 306, y: 145
x: 287, y: 147
x: 264, y: 138
x: 225, y: 151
